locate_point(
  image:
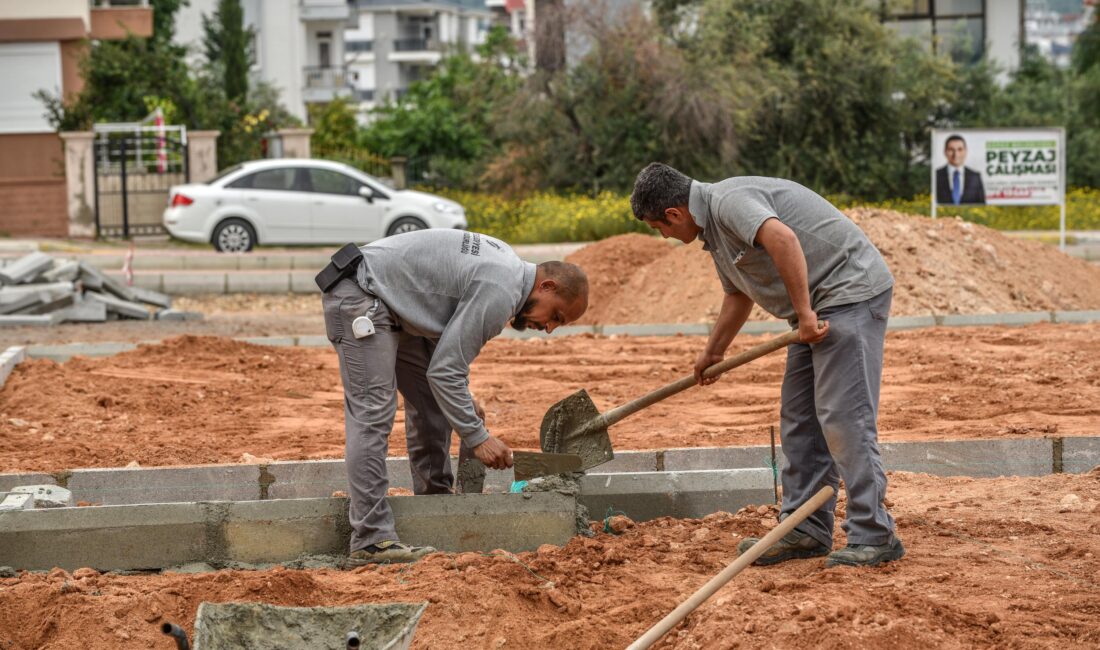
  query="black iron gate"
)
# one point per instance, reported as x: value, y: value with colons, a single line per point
x: 133, y: 171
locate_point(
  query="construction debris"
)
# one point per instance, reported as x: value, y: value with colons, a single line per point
x: 37, y: 290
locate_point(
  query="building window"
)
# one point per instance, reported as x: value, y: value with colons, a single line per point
x: 952, y: 27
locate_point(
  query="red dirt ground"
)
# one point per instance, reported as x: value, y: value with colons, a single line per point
x: 195, y: 400
x: 1006, y: 563
x: 942, y: 266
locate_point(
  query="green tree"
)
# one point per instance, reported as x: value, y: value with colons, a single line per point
x: 228, y: 47
x: 335, y: 128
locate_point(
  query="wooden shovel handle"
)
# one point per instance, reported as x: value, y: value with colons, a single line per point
x: 618, y: 413
x: 655, y: 633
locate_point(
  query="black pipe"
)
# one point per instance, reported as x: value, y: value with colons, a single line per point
x: 174, y: 631
x: 353, y: 640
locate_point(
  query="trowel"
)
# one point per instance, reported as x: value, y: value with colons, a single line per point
x: 575, y: 426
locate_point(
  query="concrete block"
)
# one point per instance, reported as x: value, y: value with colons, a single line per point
x: 62, y: 271
x: 313, y: 341
x: 304, y: 281
x: 191, y: 283
x: 208, y: 262
x: 9, y: 359
x: 85, y: 311
x: 20, y: 320
x: 46, y: 495
x: 630, y: 461
x: 1077, y: 316
x: 276, y: 341
x: 123, y: 308
x: 177, y: 315
x: 1080, y: 454
x: 691, y: 494
x: 568, y: 330
x: 53, y: 289
x: 102, y: 260
x: 164, y: 535
x: 1019, y: 318
x: 976, y: 458
x: 257, y: 282
x: 26, y: 268
x: 15, y: 502
x: 910, y: 322
x: 10, y: 480
x: 98, y: 281
x: 658, y: 329
x: 61, y: 353
x: 712, y: 458
x: 151, y: 297
x: 308, y: 261
x: 766, y: 327
x: 20, y: 303
x: 50, y: 306
x: 257, y: 261
x: 127, y: 486
x: 159, y: 261
x: 314, y: 478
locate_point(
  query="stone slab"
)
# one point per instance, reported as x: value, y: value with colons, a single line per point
x: 15, y: 502
x: 658, y: 329
x: 127, y: 486
x: 63, y: 271
x: 275, y: 341
x: 910, y: 322
x: 1080, y: 455
x: 766, y: 327
x: 25, y: 269
x: 178, y: 315
x: 187, y: 283
x: 85, y: 311
x: 257, y: 282
x: 315, y: 478
x: 1077, y: 316
x: 150, y: 297
x: 304, y: 281
x: 22, y: 320
x: 975, y: 458
x: 710, y: 458
x: 690, y: 494
x: 314, y: 341
x: 164, y: 535
x: 115, y: 305
x: 10, y: 480
x: 9, y: 359
x: 1019, y: 318
x: 46, y: 495
x: 64, y: 352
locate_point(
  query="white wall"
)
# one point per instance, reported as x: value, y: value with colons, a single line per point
x: 27, y: 9
x: 281, y: 48
x: 24, y: 69
x: 1002, y: 32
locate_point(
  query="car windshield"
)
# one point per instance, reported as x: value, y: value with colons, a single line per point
x: 225, y: 172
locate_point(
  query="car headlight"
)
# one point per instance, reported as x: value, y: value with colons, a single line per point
x: 448, y: 208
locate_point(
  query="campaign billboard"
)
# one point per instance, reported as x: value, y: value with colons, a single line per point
x: 998, y: 166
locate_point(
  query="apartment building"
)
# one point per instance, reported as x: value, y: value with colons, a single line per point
x: 41, y: 46
x: 299, y: 45
x: 398, y: 42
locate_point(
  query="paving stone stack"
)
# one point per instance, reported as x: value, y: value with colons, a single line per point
x: 38, y: 290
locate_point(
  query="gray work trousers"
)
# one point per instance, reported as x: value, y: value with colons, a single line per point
x: 829, y: 424
x: 373, y: 369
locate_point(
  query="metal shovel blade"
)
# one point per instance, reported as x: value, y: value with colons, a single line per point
x: 572, y: 427
x: 529, y: 464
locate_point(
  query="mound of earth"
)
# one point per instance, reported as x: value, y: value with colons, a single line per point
x: 942, y: 266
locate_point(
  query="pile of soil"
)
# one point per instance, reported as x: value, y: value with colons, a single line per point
x: 197, y: 400
x: 1009, y: 562
x: 941, y: 266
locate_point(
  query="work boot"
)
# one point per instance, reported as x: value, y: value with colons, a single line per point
x: 390, y: 551
x: 792, y: 546
x: 867, y: 555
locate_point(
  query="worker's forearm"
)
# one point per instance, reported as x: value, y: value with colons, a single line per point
x: 790, y: 262
x: 735, y: 311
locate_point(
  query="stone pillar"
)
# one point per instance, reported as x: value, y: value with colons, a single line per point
x: 399, y: 172
x: 295, y: 142
x: 80, y: 182
x: 202, y: 155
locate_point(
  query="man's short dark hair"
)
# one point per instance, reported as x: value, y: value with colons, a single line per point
x: 952, y: 138
x: 657, y: 188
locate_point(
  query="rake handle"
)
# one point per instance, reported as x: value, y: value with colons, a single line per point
x: 618, y: 413
x: 674, y: 617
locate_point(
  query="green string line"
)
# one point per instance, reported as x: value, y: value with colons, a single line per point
x: 611, y: 512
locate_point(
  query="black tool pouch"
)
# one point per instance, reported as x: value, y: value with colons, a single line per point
x: 345, y: 262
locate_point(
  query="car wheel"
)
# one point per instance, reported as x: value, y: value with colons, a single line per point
x: 405, y: 224
x: 234, y: 236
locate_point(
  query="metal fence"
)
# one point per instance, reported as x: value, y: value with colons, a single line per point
x: 134, y: 168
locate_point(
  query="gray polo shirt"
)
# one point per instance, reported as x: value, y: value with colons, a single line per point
x: 842, y: 264
x: 456, y: 288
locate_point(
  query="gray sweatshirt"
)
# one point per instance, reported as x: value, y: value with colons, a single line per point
x: 457, y: 288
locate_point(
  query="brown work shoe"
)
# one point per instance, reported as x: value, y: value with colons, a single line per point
x: 390, y: 551
x: 793, y: 546
x: 866, y: 554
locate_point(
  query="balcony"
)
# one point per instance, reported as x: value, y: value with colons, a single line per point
x: 324, y: 10
x: 416, y: 50
x: 356, y: 47
x: 364, y: 95
x: 112, y: 21
x: 324, y: 84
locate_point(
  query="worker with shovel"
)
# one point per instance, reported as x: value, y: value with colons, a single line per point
x: 777, y: 244
x: 409, y: 313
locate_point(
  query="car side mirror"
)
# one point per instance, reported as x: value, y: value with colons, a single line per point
x: 367, y: 193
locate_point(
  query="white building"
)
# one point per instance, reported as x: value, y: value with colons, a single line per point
x: 398, y: 42
x: 299, y: 45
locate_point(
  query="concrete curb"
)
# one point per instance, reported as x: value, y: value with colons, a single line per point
x: 9, y: 359
x: 322, y: 478
x: 255, y: 532
x: 690, y: 494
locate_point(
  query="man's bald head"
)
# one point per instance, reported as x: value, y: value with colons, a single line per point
x: 559, y: 297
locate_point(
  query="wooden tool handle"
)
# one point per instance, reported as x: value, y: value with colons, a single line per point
x: 618, y: 413
x: 655, y: 633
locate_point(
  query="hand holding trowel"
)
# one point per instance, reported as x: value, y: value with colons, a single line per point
x: 574, y: 432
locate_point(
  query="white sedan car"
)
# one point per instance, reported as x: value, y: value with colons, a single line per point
x: 300, y: 201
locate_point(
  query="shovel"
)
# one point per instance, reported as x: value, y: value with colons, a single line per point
x: 575, y: 426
